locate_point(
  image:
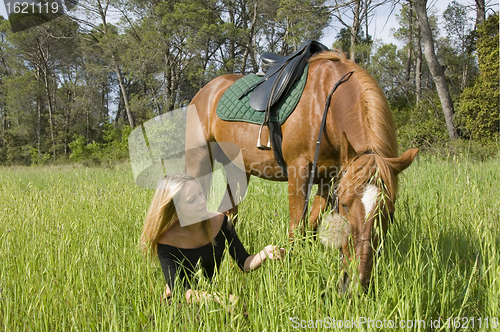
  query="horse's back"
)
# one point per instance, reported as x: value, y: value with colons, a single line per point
x: 210, y: 94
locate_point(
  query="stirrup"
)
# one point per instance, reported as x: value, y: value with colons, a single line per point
x: 259, y: 145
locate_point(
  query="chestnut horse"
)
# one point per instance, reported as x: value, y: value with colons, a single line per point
x: 358, y: 151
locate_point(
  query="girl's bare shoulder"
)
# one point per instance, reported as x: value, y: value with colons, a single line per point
x: 216, y: 220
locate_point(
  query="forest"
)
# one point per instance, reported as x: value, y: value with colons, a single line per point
x: 72, y: 89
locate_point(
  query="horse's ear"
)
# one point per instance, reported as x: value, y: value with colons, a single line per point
x: 400, y: 163
x: 347, y: 152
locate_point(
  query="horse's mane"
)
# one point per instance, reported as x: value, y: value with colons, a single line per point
x: 370, y: 168
x: 379, y: 125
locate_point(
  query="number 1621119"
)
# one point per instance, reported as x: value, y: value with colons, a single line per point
x: 472, y: 322
x: 32, y: 8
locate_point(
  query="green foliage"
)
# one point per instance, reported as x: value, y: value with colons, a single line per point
x: 474, y: 150
x: 36, y: 158
x: 80, y: 150
x: 424, y: 132
x: 14, y: 148
x: 456, y: 50
x: 457, y: 26
x: 362, y: 45
x: 296, y: 16
x: 478, y: 115
x: 114, y: 149
x: 387, y: 68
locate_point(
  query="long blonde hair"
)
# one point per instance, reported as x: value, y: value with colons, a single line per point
x: 162, y: 213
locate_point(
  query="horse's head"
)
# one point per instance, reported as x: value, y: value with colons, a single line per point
x: 366, y: 197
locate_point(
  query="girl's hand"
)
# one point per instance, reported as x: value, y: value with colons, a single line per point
x: 274, y: 253
x: 233, y: 299
x: 255, y: 261
x: 166, y: 294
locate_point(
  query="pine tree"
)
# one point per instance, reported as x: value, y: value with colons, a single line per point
x: 478, y: 115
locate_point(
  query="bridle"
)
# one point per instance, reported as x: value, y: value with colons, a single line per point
x: 335, y: 188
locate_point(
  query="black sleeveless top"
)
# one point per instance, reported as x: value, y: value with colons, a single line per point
x: 181, y: 261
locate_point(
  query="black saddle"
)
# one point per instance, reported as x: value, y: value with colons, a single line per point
x: 280, y: 75
x: 282, y: 72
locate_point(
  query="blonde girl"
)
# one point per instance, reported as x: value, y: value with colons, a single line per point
x: 181, y: 231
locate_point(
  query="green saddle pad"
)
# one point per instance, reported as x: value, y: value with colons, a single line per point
x: 232, y: 109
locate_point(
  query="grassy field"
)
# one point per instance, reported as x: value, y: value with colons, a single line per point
x: 70, y: 260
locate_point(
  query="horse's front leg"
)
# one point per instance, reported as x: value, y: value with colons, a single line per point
x: 321, y: 202
x: 237, y: 184
x: 297, y: 187
x: 199, y: 165
x: 229, y: 155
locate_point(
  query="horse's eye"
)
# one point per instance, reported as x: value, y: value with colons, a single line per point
x: 345, y: 207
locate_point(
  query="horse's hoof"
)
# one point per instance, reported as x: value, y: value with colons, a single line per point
x: 344, y: 282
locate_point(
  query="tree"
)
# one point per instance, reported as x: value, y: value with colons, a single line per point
x: 4, y: 74
x: 106, y: 38
x: 458, y: 46
x: 409, y: 34
x: 480, y: 12
x: 39, y: 53
x: 479, y: 110
x: 361, y: 48
x: 388, y: 69
x: 358, y: 11
x: 301, y: 20
x: 435, y: 67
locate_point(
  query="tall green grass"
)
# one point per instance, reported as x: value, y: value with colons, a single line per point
x: 70, y: 260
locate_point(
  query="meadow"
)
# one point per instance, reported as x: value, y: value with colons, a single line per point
x: 70, y: 259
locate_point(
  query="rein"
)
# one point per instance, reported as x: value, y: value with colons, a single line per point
x: 344, y: 79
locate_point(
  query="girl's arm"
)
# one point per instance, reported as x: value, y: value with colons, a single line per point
x: 253, y: 262
x: 245, y: 261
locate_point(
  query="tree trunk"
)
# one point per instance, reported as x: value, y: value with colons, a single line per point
x: 410, y: 43
x: 232, y: 47
x: 176, y: 78
x: 118, y: 110
x: 66, y: 143
x: 39, y: 128
x: 480, y: 12
x: 124, y: 95
x: 103, y: 100
x: 418, y: 69
x: 250, y: 36
x: 434, y: 67
x: 465, y: 76
x: 356, y: 22
x: 103, y: 10
x: 51, y: 111
x: 169, y: 82
x: 367, y: 36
